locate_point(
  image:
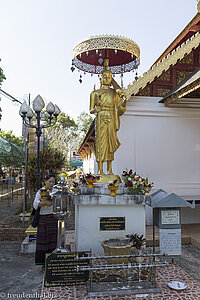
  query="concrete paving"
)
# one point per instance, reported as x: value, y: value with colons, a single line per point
x: 18, y: 273
x: 21, y: 279
x: 19, y: 276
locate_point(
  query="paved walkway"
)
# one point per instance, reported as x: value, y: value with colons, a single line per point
x: 164, y: 275
x: 19, y: 275
x: 21, y: 279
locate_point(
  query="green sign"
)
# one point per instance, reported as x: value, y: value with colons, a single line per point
x: 75, y: 163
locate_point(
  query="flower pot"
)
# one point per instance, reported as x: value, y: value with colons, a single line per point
x: 116, y: 247
x: 147, y: 190
x: 113, y: 189
x: 90, y: 182
x: 139, y: 259
x: 75, y: 190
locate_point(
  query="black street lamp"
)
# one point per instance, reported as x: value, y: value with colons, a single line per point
x: 27, y: 114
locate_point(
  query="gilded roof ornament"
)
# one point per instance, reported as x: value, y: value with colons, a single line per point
x: 198, y: 6
x: 163, y: 65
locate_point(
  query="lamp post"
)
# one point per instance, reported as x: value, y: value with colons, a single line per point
x: 27, y: 114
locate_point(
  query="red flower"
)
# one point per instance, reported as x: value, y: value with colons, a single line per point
x: 130, y: 172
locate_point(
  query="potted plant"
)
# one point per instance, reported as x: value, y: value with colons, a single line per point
x: 82, y: 180
x: 112, y: 186
x: 75, y: 188
x: 137, y: 241
x: 91, y: 179
x: 136, y: 183
x: 116, y: 247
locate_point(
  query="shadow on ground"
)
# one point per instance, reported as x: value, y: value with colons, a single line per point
x: 18, y: 273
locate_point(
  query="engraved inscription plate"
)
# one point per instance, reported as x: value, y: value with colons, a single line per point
x: 112, y: 223
x: 170, y: 241
x: 60, y: 269
x: 170, y: 217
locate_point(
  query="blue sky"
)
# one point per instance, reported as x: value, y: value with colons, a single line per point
x: 38, y: 36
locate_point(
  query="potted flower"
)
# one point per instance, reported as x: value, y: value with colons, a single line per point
x: 136, y: 183
x: 137, y: 241
x: 82, y: 180
x: 91, y: 179
x: 112, y: 186
x: 75, y: 187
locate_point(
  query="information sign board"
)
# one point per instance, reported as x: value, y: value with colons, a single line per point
x: 170, y: 241
x: 112, y: 223
x: 61, y: 269
x: 169, y: 217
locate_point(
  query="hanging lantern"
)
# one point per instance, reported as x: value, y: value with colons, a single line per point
x: 62, y: 210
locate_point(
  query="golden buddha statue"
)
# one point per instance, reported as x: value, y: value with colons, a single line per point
x: 108, y: 104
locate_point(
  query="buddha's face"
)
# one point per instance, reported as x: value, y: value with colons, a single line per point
x: 106, y: 78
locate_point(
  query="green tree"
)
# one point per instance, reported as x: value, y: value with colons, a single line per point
x: 62, y: 133
x: 84, y: 122
x: 67, y: 135
x: 2, y: 76
x: 51, y: 160
x: 9, y: 136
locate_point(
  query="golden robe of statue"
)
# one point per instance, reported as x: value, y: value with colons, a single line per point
x: 108, y: 104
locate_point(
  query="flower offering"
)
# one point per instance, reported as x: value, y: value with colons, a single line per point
x: 136, y: 183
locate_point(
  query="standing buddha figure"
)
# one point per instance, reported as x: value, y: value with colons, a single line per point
x: 108, y: 104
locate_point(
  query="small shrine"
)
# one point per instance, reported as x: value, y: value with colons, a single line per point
x: 160, y: 110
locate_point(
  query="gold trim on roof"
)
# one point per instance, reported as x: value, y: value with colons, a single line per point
x: 107, y: 42
x: 163, y: 65
x: 198, y: 6
x: 176, y: 97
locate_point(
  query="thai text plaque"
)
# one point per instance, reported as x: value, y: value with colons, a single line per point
x: 170, y: 241
x: 112, y: 223
x: 61, y: 269
x: 169, y: 217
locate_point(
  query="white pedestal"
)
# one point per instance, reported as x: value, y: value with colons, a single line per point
x: 29, y: 243
x: 93, y: 204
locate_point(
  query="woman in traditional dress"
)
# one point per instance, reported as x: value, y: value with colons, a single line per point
x: 47, y: 228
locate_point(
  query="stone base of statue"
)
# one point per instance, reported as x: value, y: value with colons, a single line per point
x: 99, y: 216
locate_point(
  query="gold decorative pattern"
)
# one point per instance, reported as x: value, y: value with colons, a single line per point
x: 103, y: 42
x: 107, y: 42
x: 145, y: 91
x: 162, y: 92
x: 181, y: 75
x: 87, y: 151
x: 165, y: 76
x: 188, y: 59
x: 199, y: 58
x: 198, y: 6
x: 174, y: 98
x: 163, y: 65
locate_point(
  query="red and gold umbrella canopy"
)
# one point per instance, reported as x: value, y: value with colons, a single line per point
x: 89, y: 54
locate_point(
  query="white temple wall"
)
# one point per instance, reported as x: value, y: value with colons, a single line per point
x: 162, y: 144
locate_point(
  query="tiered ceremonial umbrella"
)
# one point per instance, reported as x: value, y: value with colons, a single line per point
x: 89, y: 55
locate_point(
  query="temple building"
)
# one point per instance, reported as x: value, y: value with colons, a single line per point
x: 159, y: 131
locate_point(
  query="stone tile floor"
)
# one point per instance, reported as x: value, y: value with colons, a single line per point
x: 164, y: 275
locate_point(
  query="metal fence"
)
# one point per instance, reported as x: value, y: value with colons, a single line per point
x: 11, y: 190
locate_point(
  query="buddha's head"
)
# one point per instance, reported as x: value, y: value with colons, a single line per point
x: 106, y: 77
